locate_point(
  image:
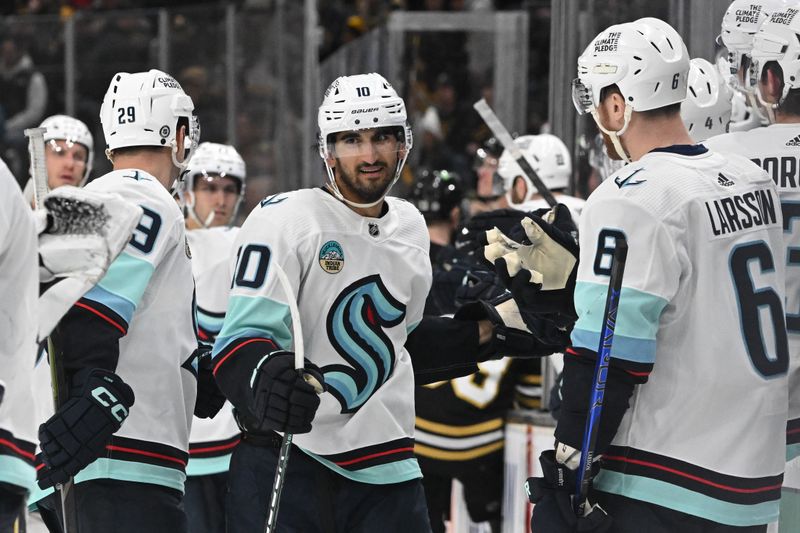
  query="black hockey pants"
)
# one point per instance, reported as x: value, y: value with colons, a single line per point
x: 315, y: 499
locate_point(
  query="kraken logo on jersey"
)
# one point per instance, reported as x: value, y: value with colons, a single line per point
x: 356, y: 325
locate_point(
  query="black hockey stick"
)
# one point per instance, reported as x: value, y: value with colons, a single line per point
x: 502, y: 135
x: 600, y: 374
x: 66, y: 496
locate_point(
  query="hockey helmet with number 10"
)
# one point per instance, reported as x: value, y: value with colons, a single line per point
x: 363, y: 101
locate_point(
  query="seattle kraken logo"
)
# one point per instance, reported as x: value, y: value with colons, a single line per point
x: 356, y: 325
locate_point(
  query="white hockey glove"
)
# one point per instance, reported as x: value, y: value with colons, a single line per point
x: 81, y: 232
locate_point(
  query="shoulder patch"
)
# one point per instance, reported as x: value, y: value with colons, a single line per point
x: 331, y: 257
x: 627, y: 182
x: 272, y: 200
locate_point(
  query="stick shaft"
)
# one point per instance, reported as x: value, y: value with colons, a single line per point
x: 600, y: 375
x: 502, y: 135
x: 38, y: 164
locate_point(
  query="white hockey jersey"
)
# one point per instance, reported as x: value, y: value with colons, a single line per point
x: 776, y: 149
x: 19, y: 286
x: 701, y: 304
x: 212, y: 440
x: 148, y: 292
x: 361, y: 285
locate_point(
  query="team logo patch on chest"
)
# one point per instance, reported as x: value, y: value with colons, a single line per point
x: 331, y: 257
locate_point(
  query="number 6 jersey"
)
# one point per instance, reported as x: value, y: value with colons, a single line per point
x: 360, y: 285
x: 702, y: 307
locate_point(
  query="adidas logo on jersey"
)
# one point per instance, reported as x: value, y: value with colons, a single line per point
x: 724, y: 180
x: 793, y: 142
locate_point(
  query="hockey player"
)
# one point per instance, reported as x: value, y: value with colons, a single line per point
x: 701, y: 227
x: 133, y: 334
x: 774, y: 74
x: 215, y: 185
x: 18, y: 292
x: 706, y: 112
x: 550, y: 159
x: 357, y: 260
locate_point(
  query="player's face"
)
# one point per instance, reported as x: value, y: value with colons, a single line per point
x: 66, y: 163
x: 215, y: 194
x: 365, y: 162
x: 486, y: 172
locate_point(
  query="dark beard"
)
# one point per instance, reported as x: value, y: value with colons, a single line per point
x: 364, y: 194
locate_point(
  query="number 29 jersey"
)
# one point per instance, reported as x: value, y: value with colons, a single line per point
x: 702, y: 307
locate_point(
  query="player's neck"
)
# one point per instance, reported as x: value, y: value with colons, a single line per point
x: 159, y: 167
x: 786, y: 118
x: 647, y: 134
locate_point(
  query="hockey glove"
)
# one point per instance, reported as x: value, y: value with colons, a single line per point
x: 484, y: 228
x: 511, y: 334
x: 541, y: 272
x: 209, y: 397
x: 284, y: 399
x: 552, y: 494
x: 79, y: 431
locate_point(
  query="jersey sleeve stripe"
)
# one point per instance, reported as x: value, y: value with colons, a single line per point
x: 249, y: 316
x: 238, y: 347
x: 122, y: 328
x: 119, y: 305
x: 128, y: 277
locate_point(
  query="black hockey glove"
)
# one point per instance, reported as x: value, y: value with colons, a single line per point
x: 478, y: 231
x: 552, y: 498
x: 512, y: 336
x: 79, y: 431
x: 209, y: 397
x: 541, y: 272
x: 283, y: 398
x: 478, y: 285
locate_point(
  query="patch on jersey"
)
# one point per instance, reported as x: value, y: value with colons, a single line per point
x: 793, y: 142
x: 331, y: 257
x: 627, y: 181
x: 374, y: 230
x: 355, y: 324
x: 724, y: 180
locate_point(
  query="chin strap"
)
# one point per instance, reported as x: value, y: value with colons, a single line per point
x: 615, y: 135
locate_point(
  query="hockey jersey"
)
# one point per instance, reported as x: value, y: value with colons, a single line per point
x: 212, y: 440
x: 700, y: 306
x: 776, y: 149
x: 148, y: 294
x: 360, y: 284
x: 19, y: 286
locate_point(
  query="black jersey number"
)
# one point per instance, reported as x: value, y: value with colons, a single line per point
x: 791, y: 211
x: 606, y: 242
x: 751, y: 303
x: 145, y: 234
x: 251, y: 266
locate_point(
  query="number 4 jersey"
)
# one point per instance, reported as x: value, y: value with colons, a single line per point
x: 360, y: 285
x: 702, y: 308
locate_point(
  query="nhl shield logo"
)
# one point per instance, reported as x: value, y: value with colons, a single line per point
x: 331, y: 257
x: 374, y: 230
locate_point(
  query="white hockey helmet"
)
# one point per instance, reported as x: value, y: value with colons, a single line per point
x: 143, y: 109
x: 72, y: 131
x: 745, y: 117
x: 778, y: 39
x: 546, y: 154
x: 646, y: 59
x: 706, y: 112
x: 362, y: 101
x: 210, y: 160
x: 740, y: 23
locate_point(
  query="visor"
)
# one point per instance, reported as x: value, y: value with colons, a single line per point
x: 582, y: 97
x: 368, y: 144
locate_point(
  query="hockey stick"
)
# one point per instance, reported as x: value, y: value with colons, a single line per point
x: 600, y: 375
x: 502, y: 135
x: 286, y: 443
x: 57, y: 378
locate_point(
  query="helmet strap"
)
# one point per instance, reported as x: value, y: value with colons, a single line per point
x: 615, y: 135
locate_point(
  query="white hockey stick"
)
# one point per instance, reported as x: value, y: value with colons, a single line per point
x: 502, y: 135
x: 299, y: 364
x: 57, y: 377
